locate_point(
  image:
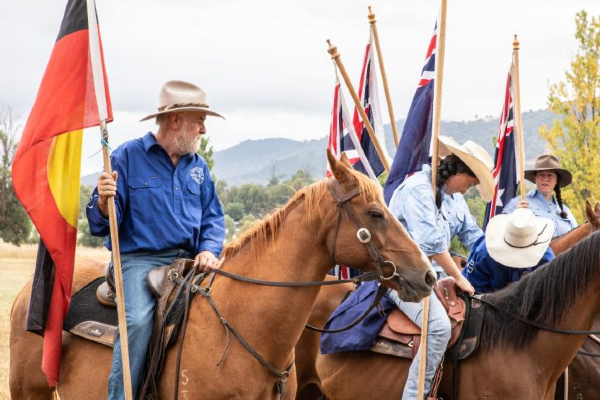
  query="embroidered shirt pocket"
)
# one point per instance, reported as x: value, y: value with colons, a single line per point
x: 193, y: 199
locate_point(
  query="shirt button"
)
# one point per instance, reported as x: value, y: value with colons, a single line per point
x: 145, y: 183
x: 176, y: 188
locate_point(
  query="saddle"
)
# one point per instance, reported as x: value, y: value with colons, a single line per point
x: 400, y: 336
x: 93, y: 315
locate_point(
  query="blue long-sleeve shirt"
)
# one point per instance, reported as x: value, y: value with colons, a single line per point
x: 160, y: 206
x: 487, y: 275
x: 414, y: 206
x: 545, y: 209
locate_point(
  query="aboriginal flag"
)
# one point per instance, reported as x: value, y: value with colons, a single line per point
x: 73, y: 95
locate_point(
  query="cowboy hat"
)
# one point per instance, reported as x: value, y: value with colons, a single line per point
x: 179, y: 96
x: 519, y: 239
x: 476, y: 158
x: 549, y: 162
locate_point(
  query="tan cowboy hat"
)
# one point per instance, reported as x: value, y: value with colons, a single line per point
x: 179, y: 96
x: 519, y: 239
x: 476, y: 158
x: 549, y: 162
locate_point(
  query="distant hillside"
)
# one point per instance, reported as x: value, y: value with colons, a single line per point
x: 256, y: 161
x: 253, y: 161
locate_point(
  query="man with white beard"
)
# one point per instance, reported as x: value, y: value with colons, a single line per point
x: 166, y: 207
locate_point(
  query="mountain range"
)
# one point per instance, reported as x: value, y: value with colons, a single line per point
x: 256, y: 161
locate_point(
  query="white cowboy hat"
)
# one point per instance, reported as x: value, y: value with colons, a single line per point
x: 178, y: 96
x: 476, y: 158
x: 519, y: 239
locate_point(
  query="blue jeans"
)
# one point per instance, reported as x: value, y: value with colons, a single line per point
x: 139, y: 309
x: 437, y: 340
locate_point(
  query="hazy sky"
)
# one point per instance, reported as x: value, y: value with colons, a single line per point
x: 265, y: 65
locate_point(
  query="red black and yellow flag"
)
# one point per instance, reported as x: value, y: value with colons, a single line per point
x: 73, y: 95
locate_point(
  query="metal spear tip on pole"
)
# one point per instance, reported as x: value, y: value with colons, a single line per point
x: 516, y: 43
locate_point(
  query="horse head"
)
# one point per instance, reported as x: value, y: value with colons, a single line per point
x: 369, y: 237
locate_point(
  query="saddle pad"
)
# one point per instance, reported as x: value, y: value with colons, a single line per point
x: 90, y: 319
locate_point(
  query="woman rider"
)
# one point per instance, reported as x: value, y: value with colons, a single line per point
x: 548, y: 177
x: 432, y: 222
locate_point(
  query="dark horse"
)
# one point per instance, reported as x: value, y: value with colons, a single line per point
x: 297, y: 243
x: 514, y: 361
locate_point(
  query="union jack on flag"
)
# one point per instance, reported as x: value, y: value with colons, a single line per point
x: 415, y: 142
x: 505, y: 162
x: 343, y: 138
x: 369, y: 97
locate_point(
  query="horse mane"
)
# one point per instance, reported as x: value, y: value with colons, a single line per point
x: 544, y: 297
x: 264, y: 233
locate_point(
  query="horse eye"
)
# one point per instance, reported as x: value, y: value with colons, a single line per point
x: 376, y: 214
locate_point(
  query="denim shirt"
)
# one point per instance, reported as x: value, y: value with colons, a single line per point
x: 487, y: 275
x: 545, y: 209
x: 414, y: 206
x: 160, y: 206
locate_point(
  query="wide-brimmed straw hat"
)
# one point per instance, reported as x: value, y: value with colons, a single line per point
x: 476, y: 158
x: 179, y: 96
x: 519, y: 239
x: 549, y: 162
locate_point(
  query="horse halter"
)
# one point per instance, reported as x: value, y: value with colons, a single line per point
x: 342, y: 200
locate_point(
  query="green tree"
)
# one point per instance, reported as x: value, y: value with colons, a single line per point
x: 15, y: 224
x: 229, y: 228
x: 85, y: 238
x: 235, y: 211
x: 246, y: 223
x: 575, y: 137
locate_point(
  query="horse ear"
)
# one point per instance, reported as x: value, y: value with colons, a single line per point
x: 344, y: 159
x: 338, y: 168
x: 588, y: 211
x: 597, y: 209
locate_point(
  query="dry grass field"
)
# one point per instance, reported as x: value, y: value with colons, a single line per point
x: 16, y: 267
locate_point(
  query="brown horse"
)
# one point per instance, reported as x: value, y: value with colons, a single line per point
x: 343, y: 376
x: 293, y: 244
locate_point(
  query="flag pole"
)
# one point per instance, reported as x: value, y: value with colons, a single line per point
x: 116, y: 259
x: 100, y: 92
x: 335, y: 56
x: 518, y: 117
x: 386, y: 89
x: 437, y: 108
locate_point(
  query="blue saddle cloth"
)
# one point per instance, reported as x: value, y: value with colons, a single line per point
x: 363, y: 335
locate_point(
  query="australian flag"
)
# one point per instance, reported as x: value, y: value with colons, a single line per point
x: 505, y: 162
x: 415, y: 142
x: 343, y: 138
x: 369, y: 96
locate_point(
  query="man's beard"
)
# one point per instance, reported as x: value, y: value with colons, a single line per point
x: 186, y: 146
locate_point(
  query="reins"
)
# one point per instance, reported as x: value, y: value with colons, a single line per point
x: 506, y: 314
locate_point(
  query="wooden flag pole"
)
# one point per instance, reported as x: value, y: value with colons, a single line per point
x: 518, y: 117
x: 437, y: 108
x: 335, y: 56
x: 116, y: 259
x: 373, y: 23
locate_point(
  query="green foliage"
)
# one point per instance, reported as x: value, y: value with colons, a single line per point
x: 246, y: 223
x: 206, y: 151
x: 85, y: 238
x: 15, y: 224
x: 85, y: 192
x: 229, y: 228
x: 575, y: 138
x: 235, y: 211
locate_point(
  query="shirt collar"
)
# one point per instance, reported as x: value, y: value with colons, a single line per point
x: 540, y: 196
x: 149, y: 140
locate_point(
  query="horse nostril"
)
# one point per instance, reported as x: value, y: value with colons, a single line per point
x: 430, y: 279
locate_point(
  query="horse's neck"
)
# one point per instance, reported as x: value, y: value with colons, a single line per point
x: 297, y: 254
x: 568, y: 240
x: 555, y: 351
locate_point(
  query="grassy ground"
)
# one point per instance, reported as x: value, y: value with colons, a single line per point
x: 16, y: 268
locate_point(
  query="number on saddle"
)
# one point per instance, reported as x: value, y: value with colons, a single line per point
x: 401, y: 337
